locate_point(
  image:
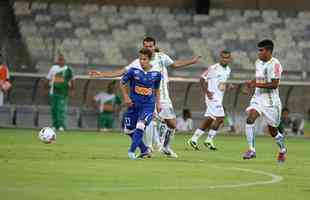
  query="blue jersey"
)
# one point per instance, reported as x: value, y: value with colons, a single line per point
x: 142, y: 85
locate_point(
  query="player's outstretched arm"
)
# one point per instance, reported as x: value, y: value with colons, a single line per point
x: 107, y: 74
x: 186, y: 62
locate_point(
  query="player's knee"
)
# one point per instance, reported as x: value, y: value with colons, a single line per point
x: 250, y: 120
x: 273, y: 131
x: 140, y: 125
x: 215, y: 124
x: 219, y: 121
x: 128, y: 131
x: 171, y: 124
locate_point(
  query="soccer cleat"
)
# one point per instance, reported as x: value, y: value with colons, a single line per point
x: 249, y: 155
x: 132, y: 156
x: 193, y: 144
x: 172, y: 153
x: 169, y: 152
x: 282, y: 156
x: 210, y: 145
x: 146, y: 154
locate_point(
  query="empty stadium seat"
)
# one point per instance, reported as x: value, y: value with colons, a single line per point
x: 89, y: 118
x: 119, y: 30
x: 6, y: 115
x: 25, y: 116
x: 44, y: 116
x: 72, y: 117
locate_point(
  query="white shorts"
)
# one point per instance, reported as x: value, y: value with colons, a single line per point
x: 271, y: 114
x: 214, y: 109
x: 167, y: 111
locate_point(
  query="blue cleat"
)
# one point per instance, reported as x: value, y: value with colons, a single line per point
x: 146, y: 154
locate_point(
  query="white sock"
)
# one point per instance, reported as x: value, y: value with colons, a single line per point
x: 162, y: 129
x: 211, y: 134
x: 280, y: 142
x: 148, y: 136
x: 156, y: 137
x: 198, y: 133
x: 168, y: 136
x: 249, y: 130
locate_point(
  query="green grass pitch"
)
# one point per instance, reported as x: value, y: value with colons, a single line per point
x: 90, y: 165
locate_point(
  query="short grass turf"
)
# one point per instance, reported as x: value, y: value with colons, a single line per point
x: 90, y: 165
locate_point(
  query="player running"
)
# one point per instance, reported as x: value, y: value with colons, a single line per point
x: 266, y: 100
x: 144, y: 94
x: 160, y: 62
x: 213, y: 83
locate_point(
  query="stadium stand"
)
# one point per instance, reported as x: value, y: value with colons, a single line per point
x: 25, y: 116
x: 44, y: 116
x: 73, y: 115
x: 6, y: 116
x: 89, y: 118
x: 91, y: 34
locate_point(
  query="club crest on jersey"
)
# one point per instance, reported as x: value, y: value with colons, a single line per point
x: 136, y: 71
x: 154, y: 74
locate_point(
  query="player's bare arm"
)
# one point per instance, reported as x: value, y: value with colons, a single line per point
x: 106, y: 74
x: 46, y: 83
x: 204, y: 86
x: 274, y: 84
x: 186, y: 62
x: 72, y: 87
x: 124, y: 90
x: 157, y: 96
x: 249, y: 87
x: 108, y: 107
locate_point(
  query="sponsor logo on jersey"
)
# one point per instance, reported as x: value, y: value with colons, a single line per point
x: 143, y: 91
x: 58, y: 79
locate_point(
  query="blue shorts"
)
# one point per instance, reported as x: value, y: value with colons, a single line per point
x: 138, y: 113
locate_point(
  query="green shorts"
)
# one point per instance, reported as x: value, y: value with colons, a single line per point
x: 105, y: 120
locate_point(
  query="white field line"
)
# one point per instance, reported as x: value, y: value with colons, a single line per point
x: 274, y: 179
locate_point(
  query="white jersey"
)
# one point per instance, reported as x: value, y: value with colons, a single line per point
x: 103, y: 98
x: 265, y: 72
x: 159, y: 62
x: 216, y: 75
x: 51, y: 76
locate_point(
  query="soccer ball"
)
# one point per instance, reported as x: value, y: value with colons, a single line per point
x: 47, y: 135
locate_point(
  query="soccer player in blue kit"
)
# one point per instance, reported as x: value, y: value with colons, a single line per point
x: 142, y: 99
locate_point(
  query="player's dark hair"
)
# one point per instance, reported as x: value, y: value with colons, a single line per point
x: 157, y: 50
x: 225, y: 52
x: 187, y: 113
x: 266, y: 44
x: 147, y: 52
x: 111, y: 87
x: 285, y: 109
x: 149, y: 39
